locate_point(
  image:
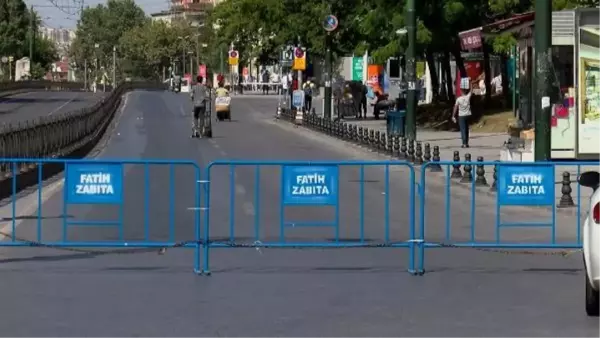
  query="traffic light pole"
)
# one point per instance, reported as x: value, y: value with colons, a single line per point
x: 411, y: 71
x: 543, y: 76
x: 328, y: 93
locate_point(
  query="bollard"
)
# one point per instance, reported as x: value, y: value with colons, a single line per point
x: 360, y: 137
x: 419, y: 154
x: 396, y: 146
x: 480, y: 173
x: 347, y: 132
x: 435, y: 167
x: 403, y: 150
x: 467, y: 176
x: 427, y: 153
x: 377, y: 144
x: 353, y: 133
x: 371, y: 138
x: 495, y: 176
x: 456, y: 167
x: 390, y: 145
x: 566, y: 200
x: 366, y: 137
x: 382, y: 142
x: 411, y: 150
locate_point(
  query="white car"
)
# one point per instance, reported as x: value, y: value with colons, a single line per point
x: 591, y: 243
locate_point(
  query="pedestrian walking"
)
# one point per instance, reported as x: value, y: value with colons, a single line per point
x: 308, y: 88
x: 462, y: 111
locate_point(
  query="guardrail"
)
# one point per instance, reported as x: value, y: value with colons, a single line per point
x: 68, y: 135
x: 40, y: 85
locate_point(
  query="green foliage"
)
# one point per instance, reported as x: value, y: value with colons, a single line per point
x: 152, y: 46
x: 103, y: 26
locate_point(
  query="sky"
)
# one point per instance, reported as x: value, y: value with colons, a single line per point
x: 53, y: 17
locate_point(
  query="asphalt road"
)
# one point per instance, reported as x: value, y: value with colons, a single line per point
x: 271, y: 292
x: 37, y: 104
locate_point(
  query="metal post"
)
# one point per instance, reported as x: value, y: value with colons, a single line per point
x: 543, y: 77
x: 114, y: 77
x: 328, y: 93
x: 85, y: 85
x: 411, y: 71
x: 222, y: 60
x: 191, y: 66
x: 31, y: 37
x: 513, y: 79
x: 182, y: 62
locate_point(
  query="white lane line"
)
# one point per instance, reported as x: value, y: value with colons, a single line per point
x: 62, y: 105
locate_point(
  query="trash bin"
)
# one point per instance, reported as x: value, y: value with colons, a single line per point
x: 395, y: 122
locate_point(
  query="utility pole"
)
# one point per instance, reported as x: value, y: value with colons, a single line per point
x: 114, y: 75
x: 182, y: 62
x: 328, y: 93
x: 543, y: 77
x: 222, y: 60
x: 31, y: 37
x: 85, y: 75
x: 411, y: 71
x: 299, y: 71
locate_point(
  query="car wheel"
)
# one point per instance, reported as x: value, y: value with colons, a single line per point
x: 592, y: 306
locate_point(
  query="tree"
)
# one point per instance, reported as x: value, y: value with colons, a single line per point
x: 151, y: 47
x: 14, y: 24
x: 103, y: 26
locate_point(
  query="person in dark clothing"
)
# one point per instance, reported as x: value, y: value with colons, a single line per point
x: 265, y: 80
x: 363, y: 102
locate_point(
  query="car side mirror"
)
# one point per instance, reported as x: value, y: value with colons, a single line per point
x: 589, y: 179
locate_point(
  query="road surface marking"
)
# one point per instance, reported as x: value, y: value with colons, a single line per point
x: 249, y: 208
x: 62, y: 105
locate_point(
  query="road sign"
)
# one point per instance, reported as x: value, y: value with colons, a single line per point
x: 234, y: 57
x: 94, y: 183
x: 287, y: 56
x: 298, y: 98
x: 299, y: 59
x: 330, y: 23
x: 357, y: 68
x: 310, y: 185
x: 526, y: 185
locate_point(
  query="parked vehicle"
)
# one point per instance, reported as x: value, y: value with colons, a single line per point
x: 591, y: 243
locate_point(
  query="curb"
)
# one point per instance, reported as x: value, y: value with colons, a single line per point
x: 338, y: 130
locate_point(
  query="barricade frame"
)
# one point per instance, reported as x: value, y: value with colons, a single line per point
x: 409, y: 244
x: 39, y: 164
x: 423, y: 244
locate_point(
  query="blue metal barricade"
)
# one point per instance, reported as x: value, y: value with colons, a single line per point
x: 309, y: 198
x: 97, y: 200
x: 523, y: 196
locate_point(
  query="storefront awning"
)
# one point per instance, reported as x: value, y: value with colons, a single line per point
x: 472, y: 39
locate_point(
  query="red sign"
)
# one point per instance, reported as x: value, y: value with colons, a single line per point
x: 245, y: 71
x: 202, y: 70
x: 470, y: 39
x: 299, y: 53
x: 233, y: 54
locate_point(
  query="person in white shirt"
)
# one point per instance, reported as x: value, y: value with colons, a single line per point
x: 285, y: 84
x: 462, y: 110
x: 275, y: 81
x: 496, y: 84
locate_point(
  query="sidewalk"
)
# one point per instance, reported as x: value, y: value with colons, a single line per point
x: 486, y: 145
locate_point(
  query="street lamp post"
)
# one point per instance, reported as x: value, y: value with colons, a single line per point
x: 183, y: 38
x: 411, y: 71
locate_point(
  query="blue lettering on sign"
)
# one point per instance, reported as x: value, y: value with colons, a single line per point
x: 526, y: 185
x: 94, y: 183
x: 310, y: 185
x: 298, y: 98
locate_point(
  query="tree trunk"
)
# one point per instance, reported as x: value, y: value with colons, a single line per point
x: 447, y: 75
x: 488, y: 73
x: 460, y: 63
x: 435, y: 83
